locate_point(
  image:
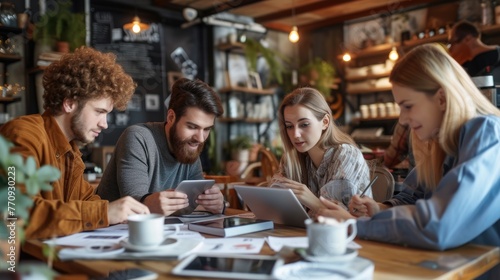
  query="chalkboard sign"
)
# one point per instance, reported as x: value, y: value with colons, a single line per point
x: 141, y: 55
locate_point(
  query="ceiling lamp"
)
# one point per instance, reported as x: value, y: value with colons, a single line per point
x: 136, y: 25
x: 294, y: 35
x: 393, y: 55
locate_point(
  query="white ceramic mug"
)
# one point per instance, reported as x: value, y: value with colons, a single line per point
x: 329, y: 239
x: 147, y: 229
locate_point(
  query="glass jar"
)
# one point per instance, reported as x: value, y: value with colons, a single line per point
x: 8, y: 15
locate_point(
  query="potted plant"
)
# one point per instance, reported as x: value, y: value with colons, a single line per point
x: 253, y: 48
x: 239, y: 147
x: 62, y: 27
x: 14, y: 203
x: 320, y: 74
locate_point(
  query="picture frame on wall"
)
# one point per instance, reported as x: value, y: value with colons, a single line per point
x: 254, y: 80
x: 237, y: 71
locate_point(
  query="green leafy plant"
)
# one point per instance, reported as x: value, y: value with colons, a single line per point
x: 242, y: 142
x: 321, y: 75
x: 14, y: 171
x: 253, y: 49
x: 60, y: 24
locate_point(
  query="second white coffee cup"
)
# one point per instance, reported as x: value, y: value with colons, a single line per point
x: 146, y: 229
x: 329, y: 239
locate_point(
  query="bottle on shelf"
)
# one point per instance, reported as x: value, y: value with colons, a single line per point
x: 486, y: 12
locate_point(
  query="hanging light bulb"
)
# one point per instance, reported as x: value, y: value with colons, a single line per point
x: 294, y: 35
x: 346, y: 57
x: 393, y: 55
x: 136, y: 25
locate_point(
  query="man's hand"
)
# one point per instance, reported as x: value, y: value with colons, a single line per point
x: 166, y: 202
x: 120, y: 209
x: 212, y: 200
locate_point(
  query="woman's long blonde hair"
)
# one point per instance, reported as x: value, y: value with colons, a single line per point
x: 428, y: 68
x: 313, y: 100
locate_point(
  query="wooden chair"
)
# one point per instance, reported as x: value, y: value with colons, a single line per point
x: 263, y: 170
x: 383, y: 188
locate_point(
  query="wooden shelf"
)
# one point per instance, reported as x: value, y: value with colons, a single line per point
x: 386, y: 48
x: 247, y: 90
x: 245, y: 120
x: 7, y: 100
x: 367, y: 77
x: 388, y: 118
x: 9, y: 58
x: 234, y: 47
x: 384, y: 141
x: 369, y: 90
x: 229, y: 120
x: 266, y: 120
x: 6, y: 30
x: 36, y: 70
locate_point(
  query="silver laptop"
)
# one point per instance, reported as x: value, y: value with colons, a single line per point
x: 276, y: 204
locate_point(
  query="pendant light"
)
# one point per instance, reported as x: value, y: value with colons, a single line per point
x: 346, y: 57
x: 294, y: 34
x: 136, y: 25
x: 393, y: 55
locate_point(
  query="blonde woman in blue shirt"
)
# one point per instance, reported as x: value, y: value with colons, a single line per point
x: 452, y: 195
x: 319, y: 159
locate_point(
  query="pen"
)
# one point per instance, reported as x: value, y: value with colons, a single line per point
x: 363, y: 192
x: 369, y: 185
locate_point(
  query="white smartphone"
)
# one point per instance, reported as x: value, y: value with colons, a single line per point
x: 229, y: 266
x: 193, y: 188
x: 131, y: 274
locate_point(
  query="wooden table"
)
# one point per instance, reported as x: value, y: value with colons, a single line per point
x: 391, y: 261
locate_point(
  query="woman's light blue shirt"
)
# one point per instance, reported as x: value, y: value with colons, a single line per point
x: 465, y: 207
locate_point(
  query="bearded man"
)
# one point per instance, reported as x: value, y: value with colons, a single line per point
x: 80, y: 90
x: 151, y: 159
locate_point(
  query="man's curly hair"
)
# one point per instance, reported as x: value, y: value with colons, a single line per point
x: 84, y: 75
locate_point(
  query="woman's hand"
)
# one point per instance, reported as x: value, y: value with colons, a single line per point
x: 364, y: 206
x: 301, y: 191
x: 333, y: 210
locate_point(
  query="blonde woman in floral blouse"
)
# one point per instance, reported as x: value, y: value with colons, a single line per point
x: 319, y: 159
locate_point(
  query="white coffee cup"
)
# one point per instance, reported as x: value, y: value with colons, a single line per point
x: 329, y: 238
x: 147, y: 229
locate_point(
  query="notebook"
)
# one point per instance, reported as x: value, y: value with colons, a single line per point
x: 276, y: 204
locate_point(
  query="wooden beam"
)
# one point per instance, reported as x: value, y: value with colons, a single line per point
x: 370, y: 12
x: 299, y: 10
x: 226, y: 6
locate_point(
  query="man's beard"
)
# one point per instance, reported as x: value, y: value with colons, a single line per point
x: 78, y: 127
x: 180, y: 148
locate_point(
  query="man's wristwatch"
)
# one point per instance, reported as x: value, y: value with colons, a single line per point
x: 144, y: 197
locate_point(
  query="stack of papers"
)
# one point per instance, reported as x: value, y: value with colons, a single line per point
x: 110, y: 243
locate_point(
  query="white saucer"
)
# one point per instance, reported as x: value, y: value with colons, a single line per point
x: 165, y: 244
x: 313, y: 270
x: 349, y: 255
